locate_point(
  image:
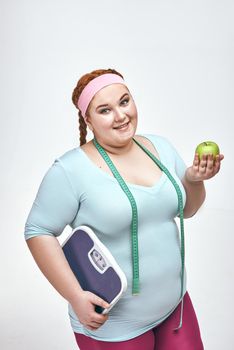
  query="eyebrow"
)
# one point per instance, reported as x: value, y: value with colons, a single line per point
x: 107, y: 103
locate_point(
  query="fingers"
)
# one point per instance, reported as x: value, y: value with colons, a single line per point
x: 210, y: 165
x: 203, y: 164
x: 96, y: 320
x: 196, y: 161
x: 204, y: 168
x: 99, y: 301
x: 85, y: 309
x: 217, y: 164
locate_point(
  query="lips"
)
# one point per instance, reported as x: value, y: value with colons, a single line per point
x: 121, y: 126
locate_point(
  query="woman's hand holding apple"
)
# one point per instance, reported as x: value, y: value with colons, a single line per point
x: 205, y: 166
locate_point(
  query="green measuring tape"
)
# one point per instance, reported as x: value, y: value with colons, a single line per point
x: 134, y: 224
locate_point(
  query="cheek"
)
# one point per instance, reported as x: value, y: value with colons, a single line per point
x: 105, y: 123
x: 132, y: 110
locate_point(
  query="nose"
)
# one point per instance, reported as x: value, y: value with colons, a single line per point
x: 119, y: 114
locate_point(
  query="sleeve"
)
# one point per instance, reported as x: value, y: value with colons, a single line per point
x: 174, y: 157
x: 170, y: 154
x: 180, y: 166
x: 55, y: 205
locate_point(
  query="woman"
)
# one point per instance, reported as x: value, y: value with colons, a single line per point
x: 80, y: 189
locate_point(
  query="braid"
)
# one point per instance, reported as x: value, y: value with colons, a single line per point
x: 83, y: 129
x: 83, y: 81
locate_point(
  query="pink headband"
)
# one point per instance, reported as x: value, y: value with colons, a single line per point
x: 94, y: 86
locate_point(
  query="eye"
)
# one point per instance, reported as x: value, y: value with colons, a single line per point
x: 104, y: 110
x: 125, y: 101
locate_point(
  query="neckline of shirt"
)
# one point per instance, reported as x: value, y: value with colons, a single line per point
x: 155, y: 186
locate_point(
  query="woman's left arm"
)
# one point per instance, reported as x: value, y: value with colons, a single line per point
x: 193, y: 181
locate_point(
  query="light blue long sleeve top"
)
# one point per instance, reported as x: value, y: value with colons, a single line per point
x: 75, y: 192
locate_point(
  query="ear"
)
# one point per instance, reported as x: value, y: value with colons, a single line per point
x: 86, y: 119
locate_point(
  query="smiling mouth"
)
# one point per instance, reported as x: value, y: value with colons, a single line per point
x: 122, y: 126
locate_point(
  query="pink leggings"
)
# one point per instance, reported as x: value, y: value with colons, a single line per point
x: 162, y: 337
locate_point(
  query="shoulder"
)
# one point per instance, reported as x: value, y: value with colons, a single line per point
x: 66, y: 172
x: 70, y: 158
x: 68, y: 165
x: 158, y: 141
x: 166, y: 150
x: 69, y: 155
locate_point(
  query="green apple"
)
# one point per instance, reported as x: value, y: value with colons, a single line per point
x: 207, y: 147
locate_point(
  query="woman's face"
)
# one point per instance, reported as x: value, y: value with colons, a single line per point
x: 112, y: 115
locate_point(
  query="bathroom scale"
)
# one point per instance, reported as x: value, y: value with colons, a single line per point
x: 94, y: 266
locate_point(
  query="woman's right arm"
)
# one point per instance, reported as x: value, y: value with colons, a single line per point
x: 51, y: 260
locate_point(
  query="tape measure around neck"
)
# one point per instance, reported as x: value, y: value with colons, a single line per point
x: 134, y: 223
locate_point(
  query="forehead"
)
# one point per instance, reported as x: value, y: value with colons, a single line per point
x: 109, y: 94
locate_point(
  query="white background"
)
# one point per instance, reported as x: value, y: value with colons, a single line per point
x: 177, y: 58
